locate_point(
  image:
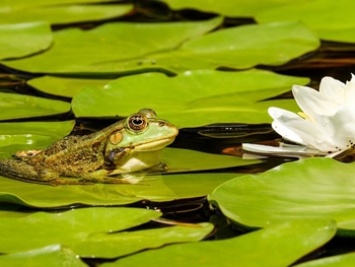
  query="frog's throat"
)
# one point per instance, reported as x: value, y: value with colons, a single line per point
x: 154, y: 145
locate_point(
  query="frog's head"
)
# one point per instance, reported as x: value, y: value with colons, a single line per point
x: 143, y: 131
x: 137, y: 142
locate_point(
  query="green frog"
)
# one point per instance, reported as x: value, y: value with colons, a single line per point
x: 128, y: 146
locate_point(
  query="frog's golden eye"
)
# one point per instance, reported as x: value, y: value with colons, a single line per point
x: 137, y: 122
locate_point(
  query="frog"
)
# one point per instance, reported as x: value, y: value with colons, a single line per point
x: 128, y: 146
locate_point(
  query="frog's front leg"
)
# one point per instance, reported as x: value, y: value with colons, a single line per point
x: 21, y: 170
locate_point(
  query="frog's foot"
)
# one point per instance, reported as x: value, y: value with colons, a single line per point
x: 159, y: 168
x: 26, y: 153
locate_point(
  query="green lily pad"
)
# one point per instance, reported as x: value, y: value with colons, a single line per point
x: 38, y: 135
x: 18, y: 40
x: 16, y: 106
x: 235, y: 8
x: 56, y: 255
x: 66, y: 87
x: 15, y: 136
x: 111, y: 246
x: 185, y: 160
x: 239, y: 47
x: 60, y: 14
x: 74, y: 226
x: 310, y: 188
x: 111, y: 42
x: 333, y: 21
x: 153, y: 188
x: 193, y: 98
x: 7, y: 4
x: 345, y: 260
x: 278, y: 246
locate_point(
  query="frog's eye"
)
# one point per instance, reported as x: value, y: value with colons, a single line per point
x: 137, y: 122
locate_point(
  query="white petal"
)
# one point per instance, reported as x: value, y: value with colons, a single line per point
x: 333, y: 89
x: 282, y: 118
x: 350, y: 93
x: 340, y: 128
x: 290, y: 151
x: 293, y: 128
x: 312, y: 102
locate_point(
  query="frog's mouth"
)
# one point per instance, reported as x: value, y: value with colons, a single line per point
x: 154, y: 144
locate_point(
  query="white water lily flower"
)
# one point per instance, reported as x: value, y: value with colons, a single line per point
x: 327, y: 120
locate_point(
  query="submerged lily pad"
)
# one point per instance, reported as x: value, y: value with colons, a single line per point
x: 16, y: 106
x: 15, y: 136
x: 56, y: 255
x: 111, y: 42
x: 310, y: 188
x: 278, y: 246
x: 66, y: 87
x: 74, y: 226
x: 193, y: 98
x: 60, y: 14
x: 18, y: 40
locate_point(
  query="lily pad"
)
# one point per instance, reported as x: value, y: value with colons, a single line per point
x: 15, y: 136
x: 235, y: 8
x: 186, y: 160
x: 61, y: 14
x: 309, y: 188
x: 193, y: 98
x: 125, y: 243
x: 56, y: 255
x: 16, y: 106
x: 18, y: 40
x: 7, y: 4
x: 153, y: 188
x: 66, y: 87
x: 333, y: 22
x: 43, y: 228
x: 278, y: 246
x: 345, y: 260
x: 111, y: 42
x: 240, y: 47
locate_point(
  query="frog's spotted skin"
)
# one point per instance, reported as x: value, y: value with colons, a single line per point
x: 128, y: 146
